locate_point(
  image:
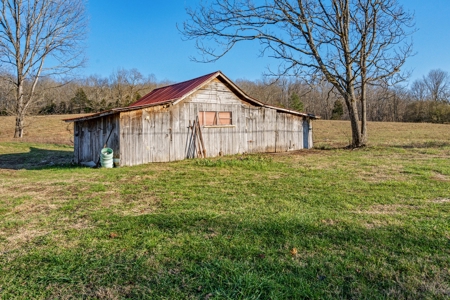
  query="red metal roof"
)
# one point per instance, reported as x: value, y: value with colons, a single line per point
x: 177, y: 91
x: 173, y: 92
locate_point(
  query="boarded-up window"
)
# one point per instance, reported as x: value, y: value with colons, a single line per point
x: 211, y: 118
x: 225, y: 118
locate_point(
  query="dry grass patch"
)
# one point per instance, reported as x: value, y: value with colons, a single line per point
x: 441, y: 200
x: 435, y: 280
x: 66, y: 292
x: 40, y: 129
x: 384, y: 209
x: 440, y: 177
x: 329, y: 222
x: 338, y: 134
x: 37, y: 206
x: 21, y: 237
x: 120, y: 206
x: 384, y: 215
x: 380, y: 223
x: 382, y: 172
x: 38, y: 193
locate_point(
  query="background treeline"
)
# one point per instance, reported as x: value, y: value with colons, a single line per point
x: 424, y: 100
x: 85, y: 95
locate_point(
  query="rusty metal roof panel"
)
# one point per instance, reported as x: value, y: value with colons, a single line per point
x: 173, y: 92
x: 113, y: 111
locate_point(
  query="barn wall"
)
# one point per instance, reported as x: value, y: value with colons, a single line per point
x: 91, y: 135
x: 146, y: 135
x: 164, y: 133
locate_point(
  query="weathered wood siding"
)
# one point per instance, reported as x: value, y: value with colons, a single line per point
x: 164, y: 133
x: 91, y: 135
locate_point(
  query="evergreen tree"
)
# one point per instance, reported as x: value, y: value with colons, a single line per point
x: 137, y: 96
x: 62, y: 107
x: 338, y: 110
x: 80, y: 103
x: 295, y: 102
x: 49, y: 109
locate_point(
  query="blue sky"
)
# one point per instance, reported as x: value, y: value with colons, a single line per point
x: 142, y: 34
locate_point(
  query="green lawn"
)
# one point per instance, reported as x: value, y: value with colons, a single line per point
x: 321, y: 224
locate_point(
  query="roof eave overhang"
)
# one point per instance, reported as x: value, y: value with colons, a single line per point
x: 294, y: 112
x: 117, y: 110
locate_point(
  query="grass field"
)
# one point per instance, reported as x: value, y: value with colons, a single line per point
x: 327, y: 223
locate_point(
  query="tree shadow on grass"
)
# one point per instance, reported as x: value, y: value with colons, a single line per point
x: 36, y: 158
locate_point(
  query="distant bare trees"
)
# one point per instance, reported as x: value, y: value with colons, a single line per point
x: 95, y: 93
x: 128, y: 85
x: 38, y: 38
x: 384, y: 102
x: 435, y: 86
x: 430, y: 98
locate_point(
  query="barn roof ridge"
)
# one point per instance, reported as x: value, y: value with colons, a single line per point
x: 174, y: 93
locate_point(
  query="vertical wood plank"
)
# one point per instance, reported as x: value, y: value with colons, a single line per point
x: 76, y: 142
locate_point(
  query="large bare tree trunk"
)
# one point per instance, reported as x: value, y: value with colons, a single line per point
x: 18, y: 132
x: 352, y: 108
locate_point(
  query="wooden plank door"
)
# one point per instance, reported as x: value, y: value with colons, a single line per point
x: 305, y: 134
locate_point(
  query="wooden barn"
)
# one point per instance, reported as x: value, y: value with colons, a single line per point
x: 204, y: 117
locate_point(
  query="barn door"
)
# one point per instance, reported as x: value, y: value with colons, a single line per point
x: 305, y: 134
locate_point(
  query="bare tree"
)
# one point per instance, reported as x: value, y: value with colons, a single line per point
x: 39, y: 38
x: 126, y: 86
x: 418, y: 90
x: 6, y: 94
x: 437, y: 83
x: 353, y: 43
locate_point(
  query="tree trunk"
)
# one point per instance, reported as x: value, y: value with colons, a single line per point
x: 363, y: 102
x: 357, y: 139
x: 20, y: 112
x: 363, y: 139
x: 18, y: 133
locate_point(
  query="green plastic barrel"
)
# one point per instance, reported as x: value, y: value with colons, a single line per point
x: 106, y: 158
